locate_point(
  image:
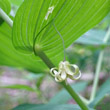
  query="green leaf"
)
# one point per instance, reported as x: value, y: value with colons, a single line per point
x: 16, y: 2
x: 10, y: 57
x: 63, y: 97
x: 47, y: 107
x: 72, y: 18
x: 104, y: 104
x: 6, y: 6
x: 93, y: 37
x: 102, y: 92
x: 18, y: 86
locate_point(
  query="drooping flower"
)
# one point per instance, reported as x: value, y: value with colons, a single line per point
x: 64, y: 71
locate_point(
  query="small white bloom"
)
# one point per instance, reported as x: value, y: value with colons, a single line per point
x: 65, y: 71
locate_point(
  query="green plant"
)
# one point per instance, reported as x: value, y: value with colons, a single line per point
x: 34, y: 35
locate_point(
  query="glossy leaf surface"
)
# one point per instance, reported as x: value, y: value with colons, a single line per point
x: 10, y: 57
x: 6, y: 6
x: 33, y: 24
x: 16, y: 2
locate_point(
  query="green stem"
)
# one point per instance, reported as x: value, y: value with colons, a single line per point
x: 96, y: 77
x: 75, y: 96
x: 98, y: 68
x: 47, y: 61
x: 6, y: 18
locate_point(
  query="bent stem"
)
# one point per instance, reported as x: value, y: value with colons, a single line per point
x: 98, y: 68
x: 6, y: 18
x: 48, y: 62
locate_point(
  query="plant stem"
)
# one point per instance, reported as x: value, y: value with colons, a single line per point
x: 98, y: 68
x: 42, y: 55
x: 74, y: 95
x: 96, y: 77
x: 6, y: 18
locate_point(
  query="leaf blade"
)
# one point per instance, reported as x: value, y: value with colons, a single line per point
x: 18, y: 86
x: 76, y: 21
x: 102, y: 92
x: 47, y: 107
x: 10, y: 57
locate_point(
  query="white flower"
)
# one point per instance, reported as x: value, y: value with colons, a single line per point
x: 65, y: 71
